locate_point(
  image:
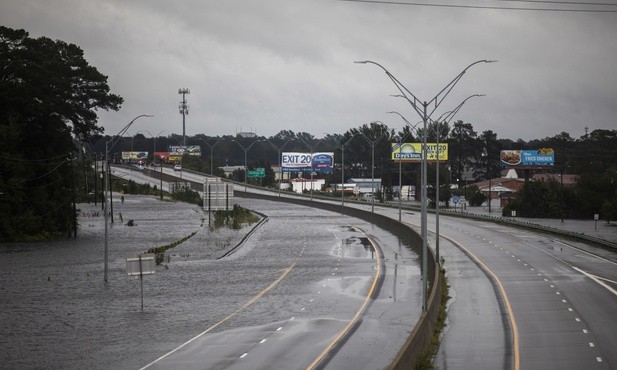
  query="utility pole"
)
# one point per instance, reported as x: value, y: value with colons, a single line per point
x: 184, y: 110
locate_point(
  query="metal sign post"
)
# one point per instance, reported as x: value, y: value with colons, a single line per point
x: 142, y: 264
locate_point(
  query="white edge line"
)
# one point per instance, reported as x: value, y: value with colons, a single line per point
x: 594, y: 278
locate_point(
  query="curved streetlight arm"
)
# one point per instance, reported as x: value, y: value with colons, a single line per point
x: 211, y: 147
x: 376, y: 141
x: 437, y: 99
x: 449, y: 115
x: 117, y: 137
x: 153, y: 136
x: 415, y: 103
x: 411, y: 126
x: 446, y: 90
x: 282, y: 146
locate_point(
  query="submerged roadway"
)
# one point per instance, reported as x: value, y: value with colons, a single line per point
x: 519, y: 298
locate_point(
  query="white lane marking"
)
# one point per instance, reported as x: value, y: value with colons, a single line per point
x: 244, y: 355
x: 584, y: 251
x: 262, y: 341
x: 585, y: 331
x: 596, y: 279
x: 591, y: 344
x: 599, y: 359
x: 570, y: 309
x: 577, y: 319
x: 279, y: 328
x: 254, y: 299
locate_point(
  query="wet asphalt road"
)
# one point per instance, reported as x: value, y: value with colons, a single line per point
x: 277, y: 302
x: 562, y: 296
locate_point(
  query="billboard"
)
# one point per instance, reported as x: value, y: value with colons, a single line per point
x: 522, y: 158
x: 322, y: 162
x: 134, y: 155
x: 180, y: 150
x: 412, y: 152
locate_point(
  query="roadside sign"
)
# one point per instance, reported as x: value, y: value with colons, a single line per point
x: 142, y: 264
x: 258, y: 172
x: 596, y: 216
x: 455, y: 199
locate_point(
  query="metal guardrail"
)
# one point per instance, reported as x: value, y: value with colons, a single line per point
x: 535, y: 226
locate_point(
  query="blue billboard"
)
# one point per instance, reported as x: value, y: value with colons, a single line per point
x: 522, y: 158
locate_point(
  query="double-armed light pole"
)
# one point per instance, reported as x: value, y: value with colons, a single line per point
x: 154, y: 139
x: 279, y: 149
x: 422, y: 108
x: 246, y: 149
x: 312, y: 149
x: 443, y: 119
x: 343, y: 168
x: 411, y: 128
x: 109, y: 144
x: 211, y: 147
x: 373, y: 143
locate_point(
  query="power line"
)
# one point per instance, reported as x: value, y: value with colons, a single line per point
x: 571, y: 10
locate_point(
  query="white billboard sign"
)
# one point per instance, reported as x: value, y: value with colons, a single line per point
x: 307, y: 162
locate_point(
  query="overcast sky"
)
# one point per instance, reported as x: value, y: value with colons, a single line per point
x: 271, y: 65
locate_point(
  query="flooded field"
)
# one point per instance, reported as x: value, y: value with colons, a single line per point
x: 57, y: 312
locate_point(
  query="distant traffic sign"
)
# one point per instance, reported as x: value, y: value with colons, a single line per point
x: 258, y: 172
x: 455, y: 199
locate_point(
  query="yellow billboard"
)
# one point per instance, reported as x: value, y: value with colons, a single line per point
x: 412, y: 152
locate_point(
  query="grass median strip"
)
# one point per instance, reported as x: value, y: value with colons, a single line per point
x: 159, y: 252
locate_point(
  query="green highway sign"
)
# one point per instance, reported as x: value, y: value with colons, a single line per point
x: 258, y: 172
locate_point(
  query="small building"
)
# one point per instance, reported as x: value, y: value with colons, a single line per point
x: 300, y: 185
x: 365, y: 186
x: 348, y: 189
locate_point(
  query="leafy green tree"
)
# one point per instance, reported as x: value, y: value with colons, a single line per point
x: 49, y: 95
x: 475, y: 196
x: 463, y: 147
x: 487, y: 166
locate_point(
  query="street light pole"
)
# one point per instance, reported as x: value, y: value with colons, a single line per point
x: 114, y: 141
x: 421, y: 107
x: 211, y: 147
x: 372, y: 143
x: 343, y: 168
x: 154, y: 142
x: 447, y: 117
x: 279, y: 149
x: 311, y: 148
x: 411, y: 128
x: 245, y: 159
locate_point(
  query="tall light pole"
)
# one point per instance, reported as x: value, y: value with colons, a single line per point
x: 279, y: 149
x: 211, y: 147
x: 343, y: 168
x: 311, y: 148
x: 113, y: 141
x: 411, y: 128
x: 154, y: 144
x: 421, y: 107
x: 373, y: 143
x: 246, y: 149
x: 444, y: 118
x: 184, y: 110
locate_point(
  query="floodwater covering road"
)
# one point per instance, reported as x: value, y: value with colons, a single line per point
x: 285, y: 294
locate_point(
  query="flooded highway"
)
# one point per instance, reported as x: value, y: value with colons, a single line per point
x: 286, y: 293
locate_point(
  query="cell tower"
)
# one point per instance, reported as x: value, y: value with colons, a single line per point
x: 184, y: 110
